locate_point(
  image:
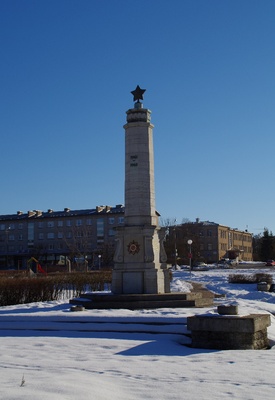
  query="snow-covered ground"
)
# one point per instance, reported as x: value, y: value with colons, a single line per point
x: 49, y: 352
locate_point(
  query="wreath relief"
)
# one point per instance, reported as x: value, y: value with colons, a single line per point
x: 133, y: 247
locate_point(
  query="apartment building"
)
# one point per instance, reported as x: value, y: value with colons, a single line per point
x: 212, y: 241
x: 79, y: 235
x: 87, y: 237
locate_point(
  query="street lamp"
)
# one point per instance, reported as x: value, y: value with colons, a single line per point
x: 175, y: 249
x: 99, y: 261
x: 190, y: 253
x: 7, y: 245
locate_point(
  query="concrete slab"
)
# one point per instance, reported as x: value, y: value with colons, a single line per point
x: 228, y: 323
x: 226, y: 332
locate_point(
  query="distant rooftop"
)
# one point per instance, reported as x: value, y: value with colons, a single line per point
x: 210, y: 223
x: 50, y: 213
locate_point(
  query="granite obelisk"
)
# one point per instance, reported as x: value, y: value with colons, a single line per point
x: 140, y: 258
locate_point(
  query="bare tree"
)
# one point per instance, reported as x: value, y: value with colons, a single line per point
x: 78, y: 242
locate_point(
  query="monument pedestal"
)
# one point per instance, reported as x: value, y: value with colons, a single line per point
x: 140, y: 261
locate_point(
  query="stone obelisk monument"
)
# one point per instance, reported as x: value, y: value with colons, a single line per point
x: 140, y: 259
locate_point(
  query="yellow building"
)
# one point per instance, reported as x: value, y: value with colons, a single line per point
x: 212, y: 242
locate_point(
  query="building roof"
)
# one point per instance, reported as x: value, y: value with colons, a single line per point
x: 210, y: 223
x: 20, y: 215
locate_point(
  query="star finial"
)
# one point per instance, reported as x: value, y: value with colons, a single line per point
x: 138, y: 93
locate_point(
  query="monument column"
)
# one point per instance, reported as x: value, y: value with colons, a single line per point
x: 140, y: 259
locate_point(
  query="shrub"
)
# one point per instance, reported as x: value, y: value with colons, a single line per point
x: 250, y: 278
x: 20, y: 289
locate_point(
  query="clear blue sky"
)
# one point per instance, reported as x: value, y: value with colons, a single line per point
x: 67, y: 68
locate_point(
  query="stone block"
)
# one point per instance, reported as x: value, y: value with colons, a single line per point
x: 229, y: 332
x: 263, y: 286
x: 228, y: 309
x: 78, y: 308
x: 230, y: 340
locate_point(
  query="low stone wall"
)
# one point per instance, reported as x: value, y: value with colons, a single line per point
x: 229, y: 332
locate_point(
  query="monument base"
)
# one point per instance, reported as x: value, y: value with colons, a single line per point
x: 137, y: 281
x: 199, y: 298
x: 140, y: 261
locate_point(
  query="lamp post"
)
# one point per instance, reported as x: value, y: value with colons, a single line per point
x: 99, y: 261
x: 175, y: 247
x: 190, y: 253
x: 7, y: 246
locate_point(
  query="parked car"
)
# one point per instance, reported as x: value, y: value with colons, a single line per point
x: 270, y: 263
x: 227, y: 263
x: 200, y: 266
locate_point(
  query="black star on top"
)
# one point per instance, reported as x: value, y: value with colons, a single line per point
x: 138, y: 93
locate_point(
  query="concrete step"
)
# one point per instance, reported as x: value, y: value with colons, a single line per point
x: 101, y: 297
x: 135, y: 303
x: 198, y: 297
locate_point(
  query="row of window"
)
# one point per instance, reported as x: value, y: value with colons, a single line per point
x: 245, y: 249
x: 241, y: 238
x: 60, y: 235
x: 208, y: 232
x: 60, y: 223
x: 236, y: 236
x: 223, y: 247
x: 49, y: 246
x: 10, y: 227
